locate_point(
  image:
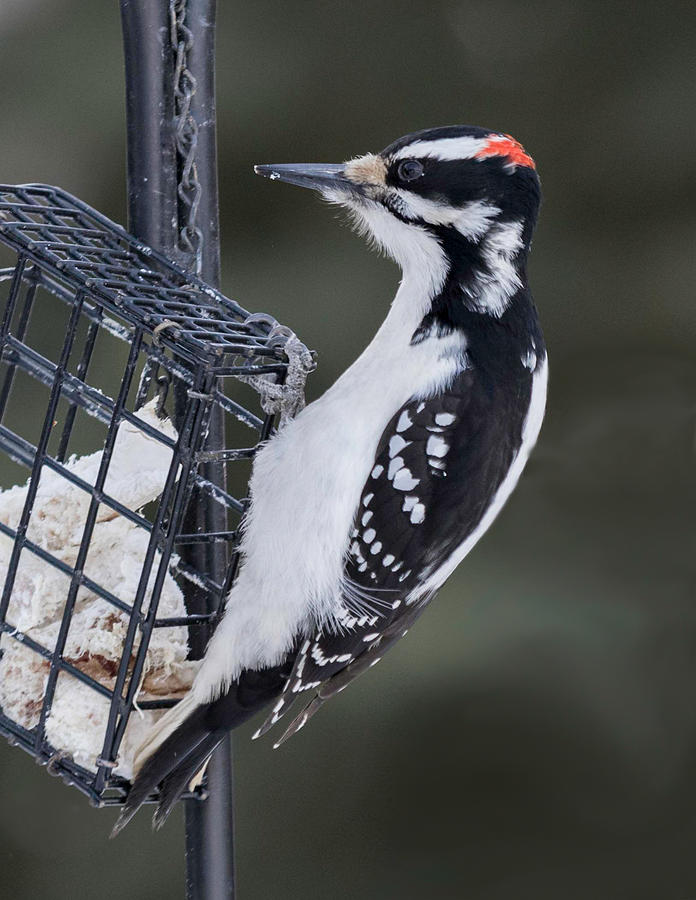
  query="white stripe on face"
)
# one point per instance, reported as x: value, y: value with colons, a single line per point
x: 446, y: 148
x: 472, y: 220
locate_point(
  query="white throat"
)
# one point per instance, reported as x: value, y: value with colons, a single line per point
x: 423, y: 264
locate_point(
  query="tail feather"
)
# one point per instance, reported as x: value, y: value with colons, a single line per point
x: 174, y: 785
x: 186, y: 736
x: 188, y: 743
x: 173, y: 719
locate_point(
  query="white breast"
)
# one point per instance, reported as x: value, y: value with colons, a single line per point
x: 305, y: 488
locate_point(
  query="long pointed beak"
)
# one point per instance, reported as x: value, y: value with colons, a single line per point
x: 318, y: 176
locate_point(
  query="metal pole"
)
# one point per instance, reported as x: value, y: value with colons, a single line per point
x: 149, y: 59
x: 154, y: 217
x: 209, y: 825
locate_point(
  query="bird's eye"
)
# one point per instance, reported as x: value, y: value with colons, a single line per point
x: 409, y: 170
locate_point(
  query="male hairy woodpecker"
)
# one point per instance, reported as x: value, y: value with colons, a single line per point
x: 366, y: 502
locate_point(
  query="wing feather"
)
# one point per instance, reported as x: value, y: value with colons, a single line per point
x: 437, y: 467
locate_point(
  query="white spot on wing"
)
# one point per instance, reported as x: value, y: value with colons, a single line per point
x: 404, y: 481
x: 404, y: 421
x: 377, y: 471
x: 444, y: 419
x: 529, y: 360
x: 369, y: 535
x: 396, y: 445
x: 418, y: 514
x: 394, y: 467
x: 437, y: 446
x: 530, y: 432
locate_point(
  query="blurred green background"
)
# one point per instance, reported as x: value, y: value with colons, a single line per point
x: 535, y: 735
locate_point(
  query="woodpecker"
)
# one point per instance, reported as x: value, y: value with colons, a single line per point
x: 364, y: 504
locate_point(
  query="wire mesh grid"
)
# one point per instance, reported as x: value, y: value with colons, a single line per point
x: 118, y: 342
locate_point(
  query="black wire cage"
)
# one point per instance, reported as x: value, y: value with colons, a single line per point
x: 141, y: 343
x: 154, y: 390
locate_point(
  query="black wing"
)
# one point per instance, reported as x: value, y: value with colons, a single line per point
x: 437, y: 467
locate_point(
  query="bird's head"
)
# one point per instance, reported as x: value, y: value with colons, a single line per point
x: 453, y: 188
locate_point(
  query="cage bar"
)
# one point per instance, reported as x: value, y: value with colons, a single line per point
x: 138, y: 333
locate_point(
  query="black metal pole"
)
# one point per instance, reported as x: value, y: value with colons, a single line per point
x: 209, y: 825
x: 154, y: 171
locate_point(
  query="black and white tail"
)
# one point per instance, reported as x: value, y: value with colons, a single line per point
x: 178, y: 750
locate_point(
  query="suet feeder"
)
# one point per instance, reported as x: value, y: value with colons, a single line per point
x: 118, y: 544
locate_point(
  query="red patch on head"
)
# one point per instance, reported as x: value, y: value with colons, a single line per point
x: 504, y: 145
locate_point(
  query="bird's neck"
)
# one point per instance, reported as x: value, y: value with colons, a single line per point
x: 433, y: 331
x: 452, y: 283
